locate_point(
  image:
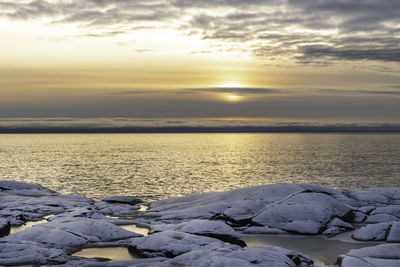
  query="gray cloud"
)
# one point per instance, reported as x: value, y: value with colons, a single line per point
x: 248, y: 91
x: 349, y: 53
x: 235, y: 90
x: 213, y: 90
x: 329, y: 30
x: 359, y: 92
x: 136, y: 124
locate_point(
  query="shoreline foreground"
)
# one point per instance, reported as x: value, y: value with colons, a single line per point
x: 198, y: 230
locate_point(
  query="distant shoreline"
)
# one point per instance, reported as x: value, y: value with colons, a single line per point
x: 236, y: 129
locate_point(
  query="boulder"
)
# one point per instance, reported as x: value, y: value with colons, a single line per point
x: 171, y: 244
x: 74, y: 232
x: 208, y: 228
x: 122, y: 200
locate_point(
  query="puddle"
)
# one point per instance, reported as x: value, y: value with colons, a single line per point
x: 16, y: 229
x: 323, y: 250
x: 143, y: 208
x: 114, y: 254
x: 134, y: 228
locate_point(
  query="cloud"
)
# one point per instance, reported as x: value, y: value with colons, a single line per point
x: 28, y: 125
x: 291, y: 30
x: 213, y: 90
x: 350, y: 53
x: 248, y: 91
x: 235, y: 90
x: 359, y: 92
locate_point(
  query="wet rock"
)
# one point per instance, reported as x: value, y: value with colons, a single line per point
x: 305, y: 213
x: 218, y: 230
x: 24, y: 189
x: 248, y: 256
x: 116, y: 209
x: 29, y: 252
x: 377, y: 218
x: 386, y: 255
x: 72, y: 233
x: 122, y: 200
x: 336, y: 222
x: 22, y: 202
x: 171, y: 244
x: 263, y: 230
x: 379, y: 232
x: 5, y: 227
x: 394, y: 234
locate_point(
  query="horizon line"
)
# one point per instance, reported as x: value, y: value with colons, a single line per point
x: 208, y: 129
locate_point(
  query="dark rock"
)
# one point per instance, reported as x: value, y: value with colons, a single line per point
x: 122, y: 200
x: 5, y: 227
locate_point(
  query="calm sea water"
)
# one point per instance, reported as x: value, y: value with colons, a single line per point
x: 157, y: 166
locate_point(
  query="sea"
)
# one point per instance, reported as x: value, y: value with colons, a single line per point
x: 160, y: 166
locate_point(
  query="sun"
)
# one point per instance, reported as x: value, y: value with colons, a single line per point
x: 233, y: 97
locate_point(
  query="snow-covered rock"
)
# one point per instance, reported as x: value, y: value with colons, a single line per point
x: 386, y: 255
x: 171, y: 244
x: 208, y: 228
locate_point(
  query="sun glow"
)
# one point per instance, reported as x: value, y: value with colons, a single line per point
x: 233, y: 97
x: 231, y: 85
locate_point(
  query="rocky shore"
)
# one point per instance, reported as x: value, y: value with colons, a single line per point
x: 197, y: 230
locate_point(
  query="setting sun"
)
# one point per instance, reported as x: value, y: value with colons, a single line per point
x: 233, y: 97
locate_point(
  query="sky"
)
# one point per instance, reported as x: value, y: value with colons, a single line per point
x: 252, y: 61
